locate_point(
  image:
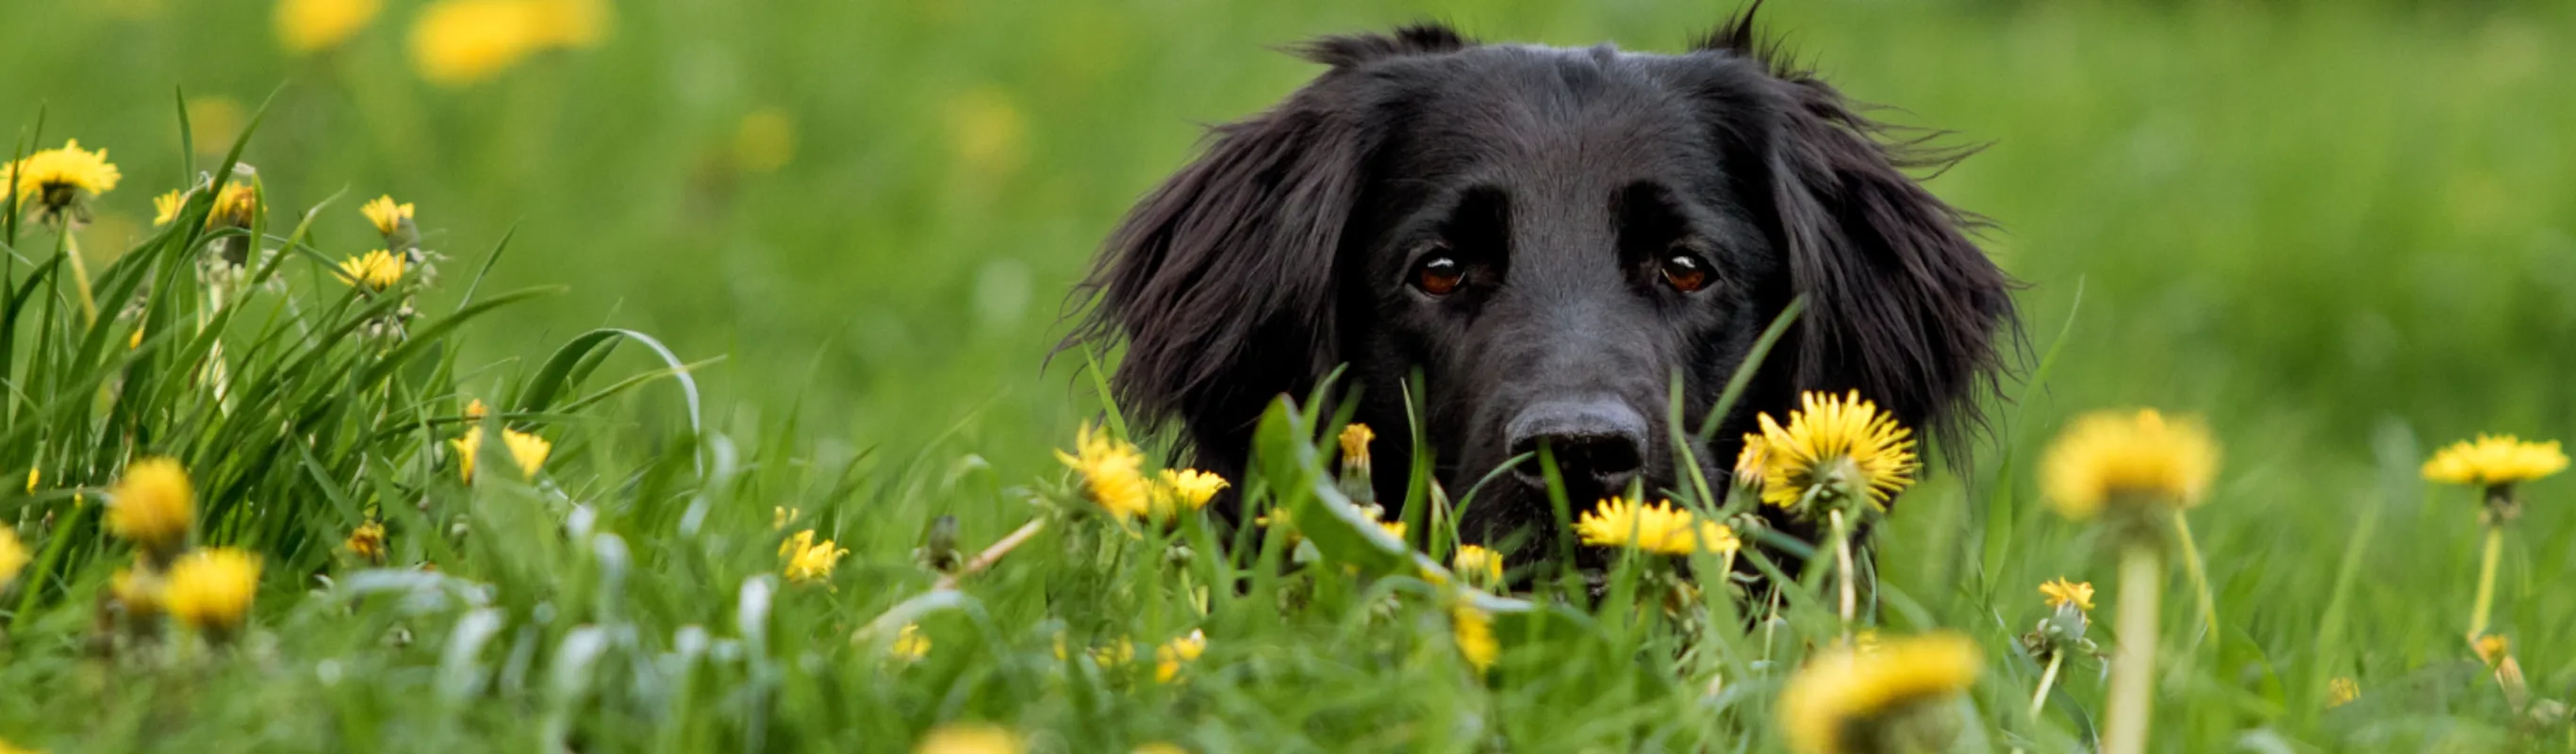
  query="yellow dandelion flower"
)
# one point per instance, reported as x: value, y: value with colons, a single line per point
x: 2492, y: 648
x: 367, y: 543
x: 1660, y: 528
x: 1355, y: 441
x: 2061, y: 592
x: 2493, y: 460
x: 9, y: 748
x: 55, y: 177
x: 1830, y: 437
x: 387, y: 216
x: 1473, y: 630
x: 235, y: 205
x: 376, y: 271
x: 468, y: 448
x: 910, y: 643
x: 2115, y: 456
x: 1839, y: 693
x: 1112, y: 473
x: 969, y: 738
x: 1188, y: 488
x: 1169, y: 657
x: 1482, y: 568
x: 165, y: 207
x: 2342, y: 691
x: 13, y: 556
x: 475, y: 411
x: 1393, y: 529
x: 527, y: 450
x: 1749, y: 461
x: 809, y: 562
x: 154, y: 505
x: 140, y: 591
x: 211, y: 590
x: 459, y: 42
x: 308, y: 25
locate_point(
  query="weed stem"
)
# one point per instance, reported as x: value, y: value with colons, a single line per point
x: 2133, y: 669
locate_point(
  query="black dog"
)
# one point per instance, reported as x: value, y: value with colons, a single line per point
x: 1547, y: 235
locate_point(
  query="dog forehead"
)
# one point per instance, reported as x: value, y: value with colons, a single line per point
x: 1564, y: 112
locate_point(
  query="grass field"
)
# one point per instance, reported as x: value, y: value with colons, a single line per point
x: 2341, y: 233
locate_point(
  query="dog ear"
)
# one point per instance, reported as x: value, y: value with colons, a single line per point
x: 1903, y: 306
x: 1222, y: 280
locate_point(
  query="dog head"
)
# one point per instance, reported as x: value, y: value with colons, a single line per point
x: 1548, y: 238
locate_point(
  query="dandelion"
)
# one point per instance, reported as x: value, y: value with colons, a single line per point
x: 154, y: 506
x: 807, y: 561
x: 305, y: 26
x: 2492, y: 648
x: 2135, y: 464
x: 969, y: 738
x: 55, y: 178
x: 165, y: 207
x: 1481, y: 567
x: 235, y: 205
x: 2128, y: 458
x: 2341, y: 691
x: 1851, y: 701
x: 1355, y: 481
x: 475, y: 411
x: 367, y: 543
x: 211, y: 590
x: 1169, y: 657
x: 375, y: 272
x: 1111, y: 473
x: 910, y: 643
x: 1660, y: 529
x: 2060, y: 593
x: 1393, y: 529
x: 459, y: 42
x: 1834, y: 446
x: 2494, y: 464
x: 2495, y: 460
x: 1745, y: 483
x: 1473, y: 630
x: 527, y: 450
x: 388, y: 217
x: 13, y: 556
x: 140, y: 591
x: 9, y: 748
x: 1187, y: 488
x: 2062, y: 631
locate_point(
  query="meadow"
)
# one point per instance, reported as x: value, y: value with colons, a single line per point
x: 751, y: 270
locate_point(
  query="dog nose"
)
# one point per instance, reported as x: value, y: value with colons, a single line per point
x: 1599, y: 441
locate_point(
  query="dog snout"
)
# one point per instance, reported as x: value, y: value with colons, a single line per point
x: 1597, y: 443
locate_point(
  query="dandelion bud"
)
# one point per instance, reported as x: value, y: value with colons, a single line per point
x: 1355, y: 481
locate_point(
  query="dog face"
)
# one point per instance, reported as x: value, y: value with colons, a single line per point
x: 1550, y: 239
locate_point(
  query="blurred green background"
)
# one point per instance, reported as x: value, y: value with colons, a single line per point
x: 2304, y: 219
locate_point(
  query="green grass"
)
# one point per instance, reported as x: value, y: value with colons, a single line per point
x: 2341, y: 232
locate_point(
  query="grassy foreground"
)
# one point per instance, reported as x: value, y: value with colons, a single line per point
x: 2341, y: 261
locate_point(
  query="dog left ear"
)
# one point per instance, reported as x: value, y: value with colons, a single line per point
x: 1903, y: 306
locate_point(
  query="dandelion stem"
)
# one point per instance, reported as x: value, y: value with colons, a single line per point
x: 80, y: 274
x: 1843, y: 566
x: 2133, y: 669
x: 2047, y: 680
x: 2486, y: 581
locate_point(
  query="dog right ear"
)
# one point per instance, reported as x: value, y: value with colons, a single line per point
x: 1222, y: 280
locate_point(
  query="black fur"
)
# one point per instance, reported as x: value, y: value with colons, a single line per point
x: 1560, y: 179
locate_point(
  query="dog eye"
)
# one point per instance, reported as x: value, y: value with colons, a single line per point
x: 1439, y: 275
x: 1686, y: 272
